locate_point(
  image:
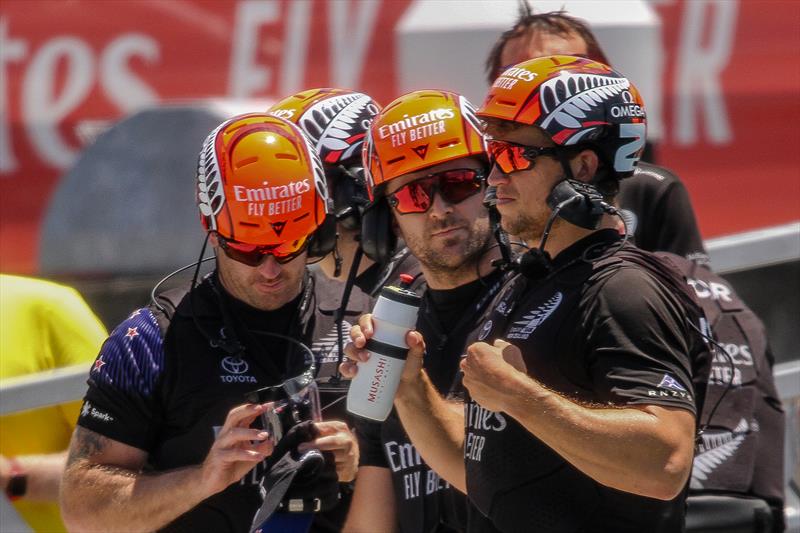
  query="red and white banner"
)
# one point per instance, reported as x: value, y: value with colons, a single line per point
x: 731, y: 87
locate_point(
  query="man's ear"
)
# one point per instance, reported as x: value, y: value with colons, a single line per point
x: 585, y: 165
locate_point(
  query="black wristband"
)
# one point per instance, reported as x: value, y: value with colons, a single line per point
x: 17, y: 486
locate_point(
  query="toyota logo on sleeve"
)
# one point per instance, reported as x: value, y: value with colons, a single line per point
x: 235, y: 368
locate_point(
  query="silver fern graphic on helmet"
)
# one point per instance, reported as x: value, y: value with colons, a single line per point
x: 522, y: 329
x: 368, y: 157
x: 320, y: 183
x: 717, y: 448
x: 567, y: 98
x: 210, y: 192
x: 338, y: 123
x: 468, y: 112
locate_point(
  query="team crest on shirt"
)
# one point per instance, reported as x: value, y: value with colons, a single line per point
x: 522, y: 329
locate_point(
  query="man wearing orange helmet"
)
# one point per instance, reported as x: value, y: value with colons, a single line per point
x: 654, y: 201
x: 336, y: 122
x: 580, y: 413
x: 426, y: 163
x: 659, y: 216
x: 165, y: 438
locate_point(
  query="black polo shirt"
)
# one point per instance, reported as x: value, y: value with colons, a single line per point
x: 613, y: 331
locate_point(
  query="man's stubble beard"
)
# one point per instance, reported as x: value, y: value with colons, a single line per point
x: 450, y: 265
x: 525, y: 226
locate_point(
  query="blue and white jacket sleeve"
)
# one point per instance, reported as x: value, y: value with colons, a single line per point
x: 122, y: 400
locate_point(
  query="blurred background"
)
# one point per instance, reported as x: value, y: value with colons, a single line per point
x: 104, y: 105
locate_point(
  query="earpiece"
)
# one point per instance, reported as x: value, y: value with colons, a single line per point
x: 324, y: 239
x: 349, y: 196
x: 580, y: 203
x: 378, y: 239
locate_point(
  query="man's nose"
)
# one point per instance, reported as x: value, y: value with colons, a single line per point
x: 497, y: 177
x: 439, y: 206
x: 269, y: 267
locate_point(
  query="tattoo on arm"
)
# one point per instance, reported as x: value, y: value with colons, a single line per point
x: 85, y: 444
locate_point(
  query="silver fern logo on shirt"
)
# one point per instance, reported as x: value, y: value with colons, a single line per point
x: 717, y: 449
x: 522, y: 329
x: 326, y: 348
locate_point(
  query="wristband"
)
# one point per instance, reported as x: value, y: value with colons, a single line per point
x: 18, y: 482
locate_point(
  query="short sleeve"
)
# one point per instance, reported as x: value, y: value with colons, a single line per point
x: 369, y: 443
x: 121, y: 401
x: 638, y: 345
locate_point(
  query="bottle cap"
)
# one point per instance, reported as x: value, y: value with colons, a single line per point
x: 403, y: 296
x: 406, y: 280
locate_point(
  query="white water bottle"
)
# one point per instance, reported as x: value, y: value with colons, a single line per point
x: 371, y: 392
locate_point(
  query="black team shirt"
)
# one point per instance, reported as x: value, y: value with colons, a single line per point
x: 613, y: 332
x: 424, y: 502
x: 168, y: 394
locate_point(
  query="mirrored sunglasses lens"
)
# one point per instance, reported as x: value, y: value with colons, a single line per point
x: 459, y: 185
x: 414, y: 197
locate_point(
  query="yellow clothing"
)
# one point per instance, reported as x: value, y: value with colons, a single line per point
x: 42, y: 326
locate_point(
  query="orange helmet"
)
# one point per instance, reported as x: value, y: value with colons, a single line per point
x: 416, y: 131
x: 335, y: 120
x: 260, y: 182
x: 576, y: 101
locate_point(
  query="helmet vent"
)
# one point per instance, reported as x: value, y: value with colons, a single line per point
x: 293, y: 157
x: 509, y: 103
x: 246, y: 161
x: 249, y: 224
x: 395, y: 160
x: 448, y: 143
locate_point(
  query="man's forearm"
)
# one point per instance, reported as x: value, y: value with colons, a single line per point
x: 105, y: 498
x: 644, y: 450
x: 436, y: 428
x: 98, y: 494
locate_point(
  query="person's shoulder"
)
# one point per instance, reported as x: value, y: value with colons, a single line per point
x: 623, y: 282
x: 133, y: 355
x: 41, y: 291
x: 649, y: 174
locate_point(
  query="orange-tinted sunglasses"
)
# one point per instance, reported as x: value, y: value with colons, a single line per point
x: 252, y: 254
x: 512, y: 157
x: 454, y: 186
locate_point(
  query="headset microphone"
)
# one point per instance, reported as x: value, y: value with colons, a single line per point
x: 490, y: 203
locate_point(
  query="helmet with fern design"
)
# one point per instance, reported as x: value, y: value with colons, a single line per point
x: 577, y: 102
x: 335, y: 120
x: 419, y: 130
x: 260, y: 182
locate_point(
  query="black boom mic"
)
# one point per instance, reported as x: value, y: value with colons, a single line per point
x: 490, y: 203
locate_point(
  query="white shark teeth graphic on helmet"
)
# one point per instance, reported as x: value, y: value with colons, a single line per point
x: 330, y: 122
x: 566, y: 97
x: 210, y: 192
x: 320, y: 183
x: 468, y: 112
x: 717, y: 448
